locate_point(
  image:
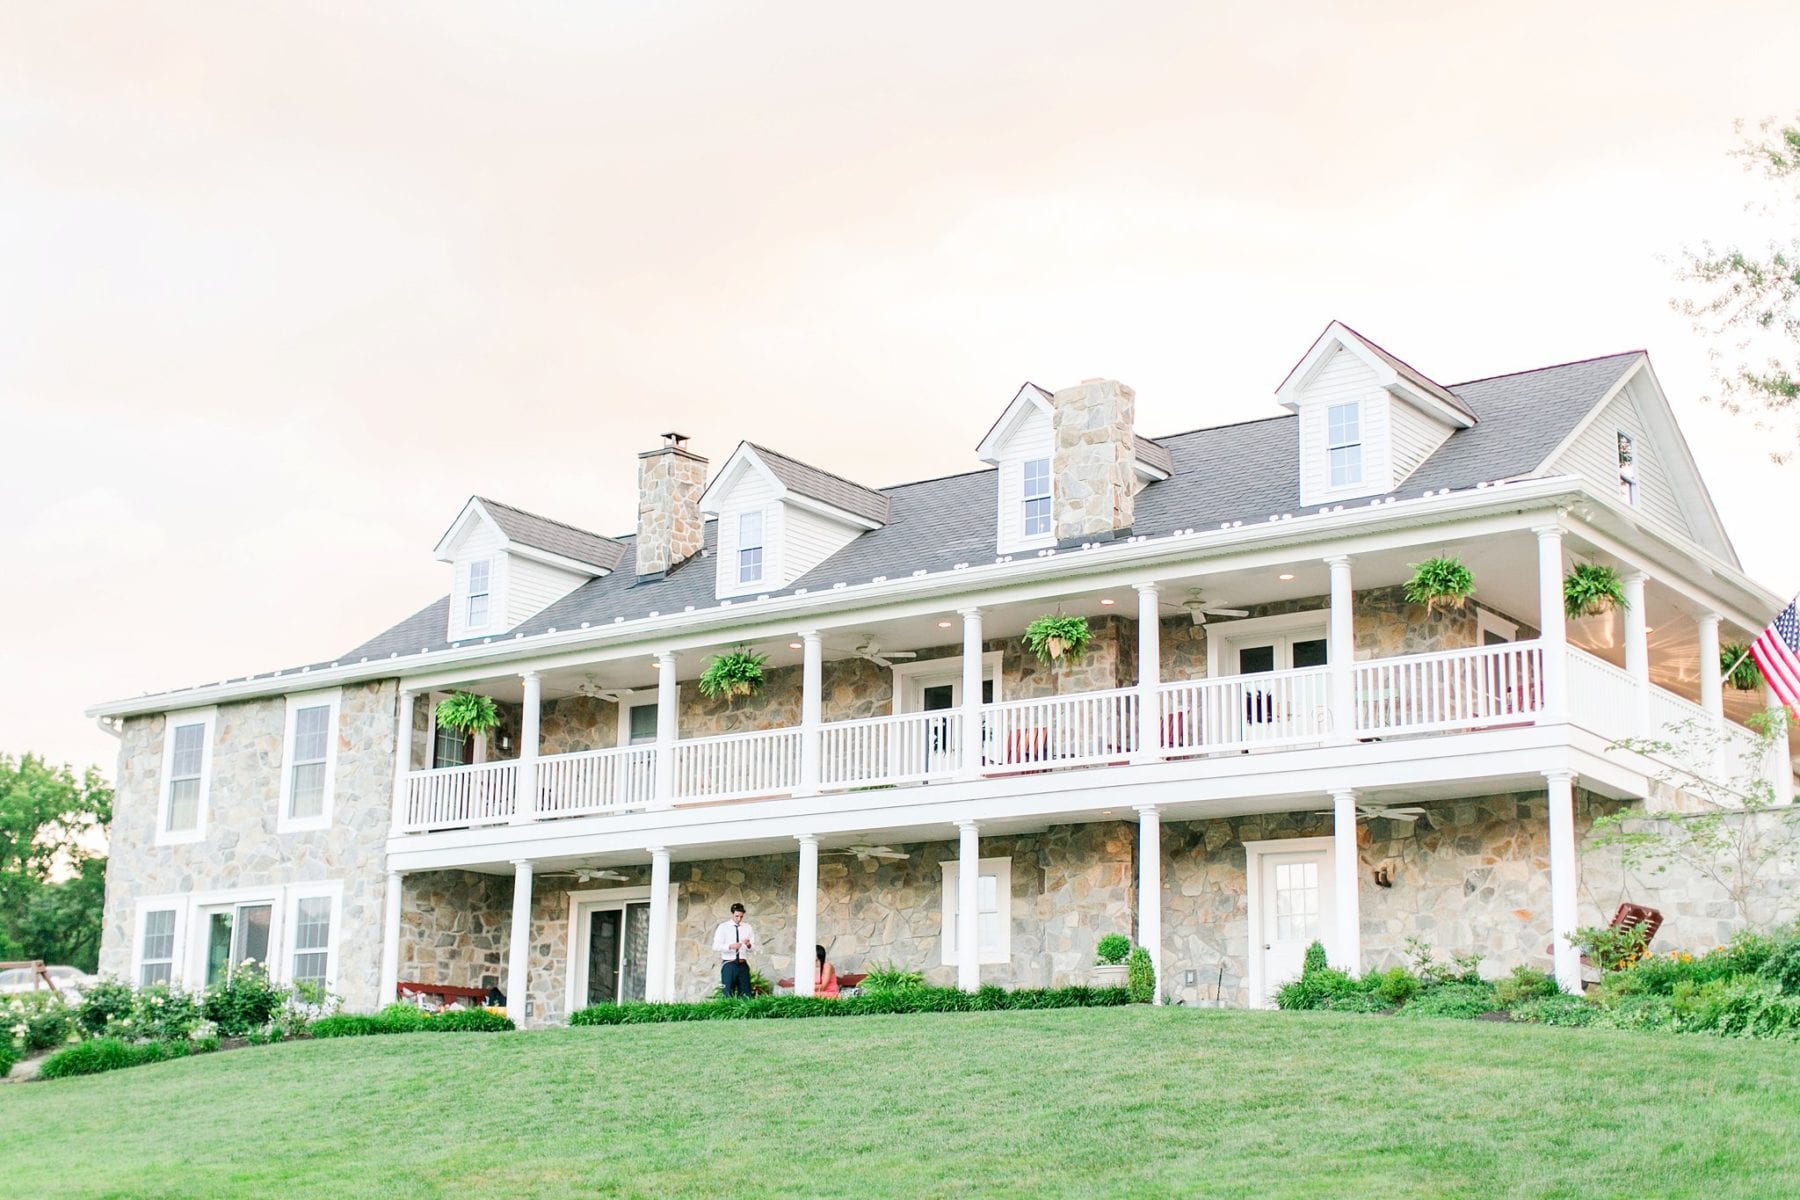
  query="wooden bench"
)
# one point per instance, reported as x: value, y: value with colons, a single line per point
x: 844, y: 981
x: 1629, y: 916
x: 444, y: 993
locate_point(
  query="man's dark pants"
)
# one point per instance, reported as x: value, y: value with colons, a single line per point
x: 735, y: 976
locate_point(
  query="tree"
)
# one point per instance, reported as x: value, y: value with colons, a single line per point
x: 52, y: 880
x: 1751, y: 296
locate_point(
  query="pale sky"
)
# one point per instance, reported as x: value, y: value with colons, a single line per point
x: 286, y: 283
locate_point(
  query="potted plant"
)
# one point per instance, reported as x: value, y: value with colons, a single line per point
x: 1442, y: 580
x: 1058, y: 637
x: 1738, y: 668
x: 1109, y: 960
x: 468, y: 713
x: 732, y: 674
x: 1591, y: 589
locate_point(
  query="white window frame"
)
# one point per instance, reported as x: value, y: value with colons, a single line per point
x: 1001, y: 870
x: 1628, y: 481
x: 331, y: 700
x: 209, y: 719
x: 1333, y: 444
x: 639, y: 698
x: 332, y: 891
x: 912, y: 678
x: 1489, y: 622
x: 486, y: 594
x: 145, y: 906
x: 581, y: 904
x: 1224, y: 639
x: 1027, y: 497
x: 761, y: 546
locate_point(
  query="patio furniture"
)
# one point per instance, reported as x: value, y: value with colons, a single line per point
x: 1629, y: 916
x: 445, y: 994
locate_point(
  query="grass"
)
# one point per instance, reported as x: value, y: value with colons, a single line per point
x: 1078, y: 1102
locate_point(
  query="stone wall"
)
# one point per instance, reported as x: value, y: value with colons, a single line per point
x: 1093, y: 464
x: 454, y: 928
x: 241, y: 848
x: 670, y: 527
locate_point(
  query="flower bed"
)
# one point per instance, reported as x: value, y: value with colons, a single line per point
x: 913, y: 999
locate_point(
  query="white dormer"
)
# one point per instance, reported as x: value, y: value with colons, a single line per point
x: 779, y: 518
x: 510, y: 564
x: 1367, y: 419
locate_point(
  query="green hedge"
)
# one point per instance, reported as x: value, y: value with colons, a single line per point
x: 7, y: 1059
x: 405, y: 1018
x: 112, y: 1054
x: 906, y: 1000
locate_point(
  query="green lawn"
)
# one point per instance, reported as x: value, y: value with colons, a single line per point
x: 1134, y: 1102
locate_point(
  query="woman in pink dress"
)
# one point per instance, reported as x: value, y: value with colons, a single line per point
x: 824, y: 976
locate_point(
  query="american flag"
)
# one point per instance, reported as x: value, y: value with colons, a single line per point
x: 1777, y: 652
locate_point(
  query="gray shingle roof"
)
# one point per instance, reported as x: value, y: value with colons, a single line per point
x: 554, y: 537
x: 823, y: 486
x: 1153, y: 454
x: 1226, y: 473
x: 1417, y: 377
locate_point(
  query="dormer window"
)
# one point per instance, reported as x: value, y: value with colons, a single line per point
x: 750, y: 547
x: 1343, y: 443
x: 478, y: 592
x: 1037, y: 497
x: 1627, y: 470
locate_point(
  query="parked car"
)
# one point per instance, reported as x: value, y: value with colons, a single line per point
x: 70, y: 982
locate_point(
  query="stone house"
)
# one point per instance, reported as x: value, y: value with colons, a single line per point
x: 1264, y: 743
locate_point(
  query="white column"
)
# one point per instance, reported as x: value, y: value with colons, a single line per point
x: 668, y: 692
x: 1637, y: 652
x: 1712, y: 684
x: 1347, y: 878
x: 518, y: 950
x: 1149, y: 680
x: 530, y: 725
x: 1340, y: 650
x: 1554, y: 629
x: 390, y: 940
x: 812, y: 684
x: 403, y: 723
x: 656, y: 962
x: 806, y: 917
x: 968, y: 925
x: 1150, y: 890
x: 971, y: 692
x: 1561, y: 792
x: 1783, y: 766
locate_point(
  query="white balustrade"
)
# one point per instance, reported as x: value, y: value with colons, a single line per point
x: 1242, y: 712
x: 454, y: 797
x: 733, y: 765
x: 594, y: 781
x: 1060, y: 731
x: 1449, y: 689
x: 906, y: 748
x: 1602, y: 697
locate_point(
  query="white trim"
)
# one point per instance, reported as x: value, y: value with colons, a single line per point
x: 200, y: 904
x: 332, y: 700
x: 1227, y: 635
x: 911, y: 678
x: 1487, y: 621
x: 332, y: 890
x: 1253, y: 856
x: 209, y: 718
x: 636, y: 698
x: 1001, y: 870
x: 575, y: 964
x: 1338, y: 336
x: 188, y: 968
x: 145, y: 906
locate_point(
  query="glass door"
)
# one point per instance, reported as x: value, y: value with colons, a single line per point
x: 618, y: 952
x: 236, y: 935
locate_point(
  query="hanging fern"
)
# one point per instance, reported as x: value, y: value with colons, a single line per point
x: 1058, y: 637
x: 1591, y: 589
x: 1738, y: 668
x: 732, y: 674
x: 1437, y: 581
x: 468, y: 713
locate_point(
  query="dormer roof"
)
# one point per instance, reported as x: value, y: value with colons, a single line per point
x: 536, y: 537
x: 798, y: 481
x: 1396, y: 375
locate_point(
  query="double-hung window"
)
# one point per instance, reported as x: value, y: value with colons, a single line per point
x: 750, y: 547
x: 308, y: 760
x: 312, y: 939
x: 156, y: 955
x: 187, y: 757
x: 1343, y: 443
x: 480, y: 575
x: 1037, y: 515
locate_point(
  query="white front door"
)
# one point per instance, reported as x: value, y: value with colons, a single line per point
x: 1295, y: 909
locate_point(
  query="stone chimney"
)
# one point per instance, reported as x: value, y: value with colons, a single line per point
x: 1093, y: 472
x: 670, y: 529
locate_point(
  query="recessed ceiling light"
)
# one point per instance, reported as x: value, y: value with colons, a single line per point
x: 943, y: 624
x: 1107, y: 600
x: 793, y: 645
x: 1106, y: 812
x: 1285, y: 576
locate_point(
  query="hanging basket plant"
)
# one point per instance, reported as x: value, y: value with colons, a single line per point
x: 1443, y: 580
x: 1591, y: 589
x: 1058, y: 638
x: 733, y: 674
x: 1738, y: 668
x: 466, y: 712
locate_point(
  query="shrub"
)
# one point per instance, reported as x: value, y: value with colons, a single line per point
x: 759, y: 985
x: 1611, y: 947
x: 886, y: 977
x: 1641, y: 1012
x: 399, y: 1017
x: 1316, y: 988
x: 1140, y: 976
x: 39, y: 1021
x: 161, y: 1013
x: 1523, y: 986
x: 1560, y: 1009
x: 1357, y: 1001
x: 108, y: 1001
x: 112, y: 1054
x: 7, y: 1058
x: 1314, y: 960
x: 1112, y: 949
x: 466, y: 1020
x: 1459, y: 1000
x: 1782, y: 967
x: 1462, y: 968
x: 244, y: 1000
x: 346, y: 1025
x: 1395, y: 986
x: 916, y: 999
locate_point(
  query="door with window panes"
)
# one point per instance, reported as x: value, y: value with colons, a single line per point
x: 1271, y: 713
x: 1296, y: 910
x: 618, y: 951
x: 235, y: 934
x: 940, y: 733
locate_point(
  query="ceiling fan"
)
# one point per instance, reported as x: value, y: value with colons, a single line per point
x: 592, y: 875
x: 591, y: 686
x: 865, y: 853
x: 1198, y: 608
x: 871, y: 649
x: 1393, y: 812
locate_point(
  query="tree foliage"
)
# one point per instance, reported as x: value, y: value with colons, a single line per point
x: 1748, y: 296
x: 52, y: 878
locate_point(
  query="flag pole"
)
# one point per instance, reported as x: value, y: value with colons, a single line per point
x: 1728, y: 671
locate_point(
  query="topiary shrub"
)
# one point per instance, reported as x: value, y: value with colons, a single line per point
x: 1314, y: 960
x: 106, y: 1002
x: 1140, y: 976
x: 1395, y: 986
x: 1112, y: 950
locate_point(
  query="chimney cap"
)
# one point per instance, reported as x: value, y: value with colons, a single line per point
x: 676, y: 441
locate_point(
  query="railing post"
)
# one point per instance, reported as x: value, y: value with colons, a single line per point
x: 668, y: 693
x: 1340, y: 651
x: 1560, y: 792
x: 530, y: 723
x: 1637, y: 653
x: 656, y: 961
x: 518, y: 950
x: 806, y: 917
x: 1149, y: 680
x: 403, y: 722
x: 812, y: 683
x: 1553, y: 626
x: 971, y: 693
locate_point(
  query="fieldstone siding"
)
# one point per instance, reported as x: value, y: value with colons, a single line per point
x: 1092, y: 468
x: 454, y: 928
x: 670, y: 528
x: 241, y: 848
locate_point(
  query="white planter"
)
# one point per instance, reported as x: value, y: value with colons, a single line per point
x: 1114, y: 976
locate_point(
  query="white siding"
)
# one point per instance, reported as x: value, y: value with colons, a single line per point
x: 532, y: 586
x: 1415, y: 435
x: 1344, y: 378
x: 1595, y: 457
x: 1034, y: 438
x: 751, y: 491
x: 808, y: 539
x: 479, y: 541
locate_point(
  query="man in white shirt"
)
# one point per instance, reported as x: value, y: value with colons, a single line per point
x: 732, y: 942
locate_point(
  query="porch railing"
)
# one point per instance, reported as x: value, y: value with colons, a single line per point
x: 737, y: 765
x: 905, y: 748
x: 454, y: 797
x: 1451, y: 689
x: 1243, y: 712
x: 1059, y: 731
x: 592, y: 781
